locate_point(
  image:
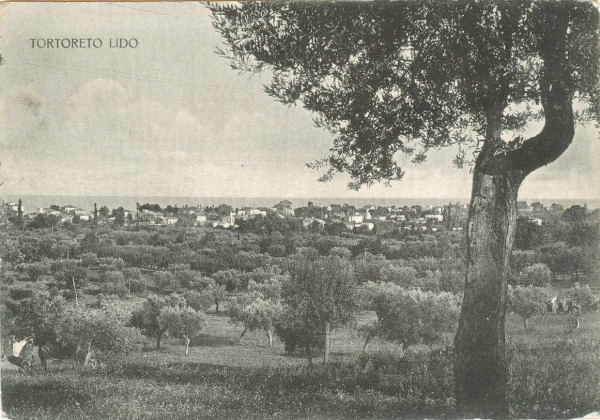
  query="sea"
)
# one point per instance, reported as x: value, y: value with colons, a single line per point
x: 34, y: 202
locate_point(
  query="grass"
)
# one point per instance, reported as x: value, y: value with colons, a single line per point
x: 554, y: 373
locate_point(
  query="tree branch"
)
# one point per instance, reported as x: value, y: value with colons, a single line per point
x: 556, y: 97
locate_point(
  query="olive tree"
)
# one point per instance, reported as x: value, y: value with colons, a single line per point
x: 147, y: 316
x: 260, y: 308
x: 318, y: 295
x: 183, y: 323
x: 527, y: 301
x: 409, y: 316
x: 402, y: 78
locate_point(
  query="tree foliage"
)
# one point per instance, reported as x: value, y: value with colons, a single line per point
x: 527, y: 301
x: 410, y: 316
x: 182, y: 322
x: 406, y: 77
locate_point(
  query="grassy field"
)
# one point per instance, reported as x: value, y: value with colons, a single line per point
x: 555, y: 373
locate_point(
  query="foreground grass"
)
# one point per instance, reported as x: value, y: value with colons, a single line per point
x: 553, y: 374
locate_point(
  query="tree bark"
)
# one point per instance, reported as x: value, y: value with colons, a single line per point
x: 42, y: 356
x: 326, y: 355
x: 308, y: 347
x: 480, y: 363
x: 369, y: 335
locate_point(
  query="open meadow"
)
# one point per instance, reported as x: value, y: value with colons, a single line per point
x: 555, y: 373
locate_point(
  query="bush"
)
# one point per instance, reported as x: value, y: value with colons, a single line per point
x: 164, y: 281
x: 452, y: 281
x: 18, y: 294
x: 118, y: 289
x: 538, y: 275
x: 430, y: 281
x: 341, y: 252
x: 89, y: 259
x: 137, y: 285
x: 8, y: 278
x: 186, y: 277
x: 584, y: 298
x: 402, y: 276
x: 34, y: 270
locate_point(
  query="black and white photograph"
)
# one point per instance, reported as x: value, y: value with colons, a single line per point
x: 317, y: 210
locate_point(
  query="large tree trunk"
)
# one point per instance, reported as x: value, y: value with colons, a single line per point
x: 480, y: 363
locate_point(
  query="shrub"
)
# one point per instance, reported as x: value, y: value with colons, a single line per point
x: 132, y: 273
x: 538, y: 275
x: 583, y: 297
x: 452, y: 281
x: 35, y: 270
x: 118, y: 289
x: 89, y: 259
x: 426, y: 264
x: 8, y: 278
x: 228, y: 278
x: 108, y: 263
x: 402, y: 276
x: 186, y: 277
x: 430, y: 281
x: 18, y: 294
x: 164, y: 281
x: 341, y: 252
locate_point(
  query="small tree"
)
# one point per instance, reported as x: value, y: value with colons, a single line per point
x: 213, y: 291
x: 183, y: 323
x: 527, y: 301
x: 35, y: 317
x: 95, y: 329
x: 260, y: 308
x: 198, y: 300
x: 146, y: 317
x: 319, y: 295
x: 410, y: 316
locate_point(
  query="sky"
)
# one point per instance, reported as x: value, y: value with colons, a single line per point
x: 171, y: 118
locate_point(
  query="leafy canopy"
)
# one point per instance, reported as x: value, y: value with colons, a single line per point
x: 401, y: 78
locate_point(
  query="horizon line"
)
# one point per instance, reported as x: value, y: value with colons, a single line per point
x: 284, y: 197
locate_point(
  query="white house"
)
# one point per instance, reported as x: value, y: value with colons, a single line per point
x: 436, y: 217
x: 356, y: 218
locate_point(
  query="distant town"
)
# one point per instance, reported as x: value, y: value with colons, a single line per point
x: 333, y: 217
